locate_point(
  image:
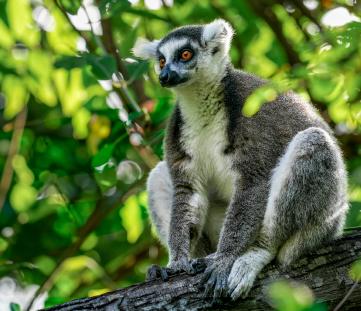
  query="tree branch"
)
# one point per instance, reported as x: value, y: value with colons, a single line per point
x: 7, y: 175
x: 265, y: 12
x: 324, y: 271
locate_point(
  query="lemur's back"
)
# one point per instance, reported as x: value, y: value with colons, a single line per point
x: 267, y: 133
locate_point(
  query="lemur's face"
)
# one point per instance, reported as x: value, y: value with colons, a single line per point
x: 189, y: 53
x: 177, y: 60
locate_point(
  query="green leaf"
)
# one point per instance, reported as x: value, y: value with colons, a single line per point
x: 71, y: 6
x: 137, y: 69
x: 102, y: 67
x: 14, y: 307
x: 103, y: 155
x: 354, y: 215
x: 70, y: 62
x: 108, y: 8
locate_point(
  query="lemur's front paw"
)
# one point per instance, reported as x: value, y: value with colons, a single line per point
x: 241, y: 278
x: 216, y: 276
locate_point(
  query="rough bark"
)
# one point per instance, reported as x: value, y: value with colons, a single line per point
x: 324, y: 271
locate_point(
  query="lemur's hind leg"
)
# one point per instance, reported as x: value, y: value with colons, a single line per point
x: 160, y: 195
x: 306, y: 206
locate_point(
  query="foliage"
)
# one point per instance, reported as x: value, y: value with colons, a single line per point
x: 81, y: 127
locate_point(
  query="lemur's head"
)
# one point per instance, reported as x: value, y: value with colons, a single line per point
x: 189, y: 53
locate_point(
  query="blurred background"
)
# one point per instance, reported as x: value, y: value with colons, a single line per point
x: 82, y: 123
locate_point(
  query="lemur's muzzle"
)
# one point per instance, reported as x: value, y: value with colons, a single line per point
x: 168, y: 77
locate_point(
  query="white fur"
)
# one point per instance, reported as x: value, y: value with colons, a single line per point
x: 245, y: 270
x: 206, y: 143
x: 279, y: 178
x: 145, y: 49
x: 281, y: 173
x: 169, y: 47
x: 160, y: 189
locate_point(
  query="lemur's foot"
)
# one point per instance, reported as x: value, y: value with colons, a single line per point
x: 216, y: 276
x: 190, y: 267
x: 155, y: 272
x: 185, y: 265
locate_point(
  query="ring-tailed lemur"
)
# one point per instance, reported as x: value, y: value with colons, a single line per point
x: 238, y: 190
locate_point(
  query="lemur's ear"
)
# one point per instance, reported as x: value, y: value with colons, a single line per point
x: 220, y: 32
x: 145, y: 49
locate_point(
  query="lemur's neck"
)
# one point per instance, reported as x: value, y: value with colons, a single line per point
x: 200, y: 102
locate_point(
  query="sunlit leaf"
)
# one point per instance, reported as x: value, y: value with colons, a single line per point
x: 80, y: 123
x: 71, y: 91
x: 6, y: 39
x: 22, y: 197
x: 291, y: 296
x: 132, y: 219
x: 63, y: 39
x: 16, y: 96
x: 355, y: 271
x: 21, y: 22
x: 259, y: 97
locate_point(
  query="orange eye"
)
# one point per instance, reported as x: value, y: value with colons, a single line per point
x: 186, y: 55
x: 161, y: 63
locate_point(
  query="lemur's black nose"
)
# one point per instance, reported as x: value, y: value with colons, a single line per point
x: 164, y: 76
x: 168, y: 77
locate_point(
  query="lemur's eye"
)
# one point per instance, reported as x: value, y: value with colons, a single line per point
x: 161, y: 62
x: 186, y: 55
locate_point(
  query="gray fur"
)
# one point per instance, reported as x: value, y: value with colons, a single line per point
x: 242, y: 190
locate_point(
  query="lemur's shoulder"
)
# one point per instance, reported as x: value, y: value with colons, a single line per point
x: 239, y: 85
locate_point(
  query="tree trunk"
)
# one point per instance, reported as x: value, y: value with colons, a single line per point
x: 324, y: 271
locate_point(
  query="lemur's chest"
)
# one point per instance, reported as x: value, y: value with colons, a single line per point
x: 205, y: 142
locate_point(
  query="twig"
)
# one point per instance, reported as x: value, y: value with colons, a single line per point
x: 63, y: 11
x: 7, y: 175
x: 342, y: 302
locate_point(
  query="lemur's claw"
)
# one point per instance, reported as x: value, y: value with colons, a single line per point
x: 197, y: 265
x: 152, y: 273
x: 164, y: 274
x: 215, y: 279
x: 156, y: 272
